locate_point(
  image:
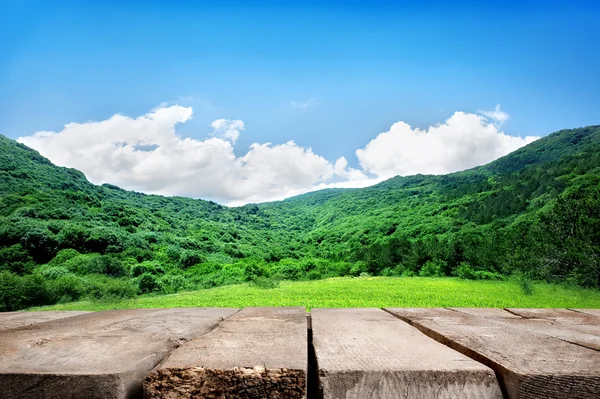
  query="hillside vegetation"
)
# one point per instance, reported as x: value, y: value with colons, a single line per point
x: 534, y: 213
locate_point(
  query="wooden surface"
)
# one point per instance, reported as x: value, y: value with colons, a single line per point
x: 12, y: 320
x: 535, y: 358
x: 256, y: 353
x: 368, y: 353
x: 590, y: 312
x: 95, y: 355
x: 267, y: 353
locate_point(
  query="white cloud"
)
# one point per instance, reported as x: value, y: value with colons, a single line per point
x: 305, y: 104
x: 228, y: 129
x: 495, y: 114
x: 463, y: 141
x: 146, y: 154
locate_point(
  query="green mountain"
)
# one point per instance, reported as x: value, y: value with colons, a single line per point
x: 534, y: 212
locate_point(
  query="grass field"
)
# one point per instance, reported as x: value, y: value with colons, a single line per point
x: 365, y: 292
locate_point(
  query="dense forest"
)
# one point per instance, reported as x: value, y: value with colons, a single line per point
x: 534, y: 213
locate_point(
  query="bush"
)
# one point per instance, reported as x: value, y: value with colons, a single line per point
x: 52, y: 272
x: 86, y: 264
x: 314, y: 275
x: 65, y: 288
x: 18, y: 292
x: 139, y: 254
x: 485, y: 275
x: 464, y: 271
x: 146, y: 267
x: 108, y: 288
x: 358, y: 268
x: 64, y: 255
x: 149, y: 283
x: 40, y: 243
x: 174, y: 253
x: 289, y: 269
x: 190, y: 258
x: 173, y: 283
x: 432, y: 269
x: 16, y: 259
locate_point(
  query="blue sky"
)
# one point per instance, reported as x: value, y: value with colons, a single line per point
x: 329, y: 75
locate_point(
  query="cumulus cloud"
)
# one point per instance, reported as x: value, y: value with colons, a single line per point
x: 228, y: 129
x: 463, y: 141
x: 146, y: 154
x: 305, y: 104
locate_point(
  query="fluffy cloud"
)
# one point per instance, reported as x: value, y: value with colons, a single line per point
x: 228, y: 129
x: 146, y: 154
x: 463, y: 141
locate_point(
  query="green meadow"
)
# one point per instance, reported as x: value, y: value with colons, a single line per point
x: 364, y: 292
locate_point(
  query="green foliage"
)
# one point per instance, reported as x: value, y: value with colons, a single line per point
x: 432, y: 269
x: 149, y: 283
x: 16, y: 259
x: 18, y: 292
x: 534, y: 212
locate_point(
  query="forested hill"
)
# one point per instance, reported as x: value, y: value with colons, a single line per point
x: 535, y: 212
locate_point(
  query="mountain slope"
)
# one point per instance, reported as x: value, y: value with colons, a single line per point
x: 534, y: 212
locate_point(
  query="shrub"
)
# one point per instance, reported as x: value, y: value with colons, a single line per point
x: 485, y: 275
x: 18, y: 292
x: 65, y: 288
x: 40, y: 243
x: 173, y: 283
x: 314, y: 275
x: 253, y: 268
x: 52, y: 272
x: 16, y: 259
x: 148, y: 283
x: 174, y: 253
x: 139, y: 254
x: 432, y: 269
x: 64, y: 255
x: 358, y: 268
x: 289, y: 269
x: 190, y: 258
x: 108, y: 288
x: 464, y: 271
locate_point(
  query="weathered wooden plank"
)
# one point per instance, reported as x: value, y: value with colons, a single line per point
x: 585, y: 328
x: 591, y: 312
x: 427, y: 312
x: 256, y: 353
x: 368, y: 353
x: 529, y: 358
x: 96, y: 355
x: 12, y: 320
x: 547, y: 313
x: 487, y: 312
